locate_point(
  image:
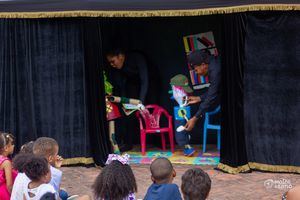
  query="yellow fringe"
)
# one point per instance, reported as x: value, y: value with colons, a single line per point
x: 258, y: 166
x: 274, y: 168
x: 233, y: 170
x: 78, y: 160
x: 152, y: 13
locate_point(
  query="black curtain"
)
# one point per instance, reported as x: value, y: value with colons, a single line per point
x: 272, y: 92
x: 44, y: 89
x: 233, y: 150
x: 261, y: 95
x: 100, y: 144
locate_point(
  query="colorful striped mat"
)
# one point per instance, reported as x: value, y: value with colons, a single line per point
x: 211, y: 157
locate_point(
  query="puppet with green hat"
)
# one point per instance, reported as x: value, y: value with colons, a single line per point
x: 181, y: 90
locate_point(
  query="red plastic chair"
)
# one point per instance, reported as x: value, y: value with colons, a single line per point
x: 150, y: 124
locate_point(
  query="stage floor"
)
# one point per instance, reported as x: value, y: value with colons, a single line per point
x: 210, y: 157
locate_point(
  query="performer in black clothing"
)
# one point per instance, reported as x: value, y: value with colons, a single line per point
x: 132, y: 77
x: 203, y: 64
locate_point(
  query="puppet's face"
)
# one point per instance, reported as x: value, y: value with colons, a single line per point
x: 179, y: 94
x: 116, y: 61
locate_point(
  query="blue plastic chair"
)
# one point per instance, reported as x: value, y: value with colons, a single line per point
x: 207, y: 125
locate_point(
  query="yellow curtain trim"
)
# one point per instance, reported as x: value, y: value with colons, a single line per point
x: 258, y: 166
x: 274, y: 168
x: 152, y: 13
x: 233, y: 170
x: 78, y: 160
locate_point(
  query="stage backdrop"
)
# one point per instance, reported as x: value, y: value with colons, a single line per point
x: 161, y: 40
x: 47, y: 87
x: 261, y: 96
x: 52, y: 85
x: 272, y: 91
x: 233, y: 150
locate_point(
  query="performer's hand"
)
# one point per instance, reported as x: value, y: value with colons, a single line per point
x: 190, y: 124
x: 193, y: 100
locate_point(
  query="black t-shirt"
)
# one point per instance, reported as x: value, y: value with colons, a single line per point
x: 133, y: 79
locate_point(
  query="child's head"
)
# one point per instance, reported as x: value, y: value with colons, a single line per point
x: 7, y: 143
x: 195, y: 184
x: 20, y: 160
x: 162, y: 171
x: 48, y: 196
x: 46, y: 147
x: 27, y: 147
x: 116, y: 180
x: 37, y: 169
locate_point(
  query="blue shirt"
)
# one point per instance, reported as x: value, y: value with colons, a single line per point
x: 163, y: 192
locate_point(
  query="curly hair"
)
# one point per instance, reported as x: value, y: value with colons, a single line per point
x: 27, y: 147
x: 5, y: 139
x: 195, y: 184
x: 116, y: 181
x: 48, y: 196
x: 36, y: 167
x: 20, y: 160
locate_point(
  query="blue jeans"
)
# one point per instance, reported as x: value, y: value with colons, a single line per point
x: 63, y: 195
x: 183, y: 137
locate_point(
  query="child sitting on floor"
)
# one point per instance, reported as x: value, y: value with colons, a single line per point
x: 48, y: 148
x: 162, y: 175
x: 116, y: 181
x: 21, y: 181
x: 27, y: 147
x: 18, y: 163
x: 7, y: 174
x: 37, y: 169
x: 195, y: 184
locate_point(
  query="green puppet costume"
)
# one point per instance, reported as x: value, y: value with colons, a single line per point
x: 112, y: 112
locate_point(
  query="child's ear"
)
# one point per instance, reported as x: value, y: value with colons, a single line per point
x: 153, y: 180
x: 50, y: 159
x: 6, y: 148
x: 207, y: 195
x: 43, y: 179
x: 174, y: 173
x: 46, y: 179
